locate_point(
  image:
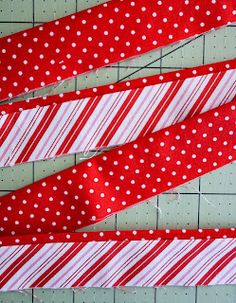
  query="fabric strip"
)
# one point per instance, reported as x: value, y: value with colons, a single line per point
x: 148, y: 261
x: 39, y: 130
x: 100, y: 36
x: 108, y: 183
x: 182, y: 74
x: 119, y: 235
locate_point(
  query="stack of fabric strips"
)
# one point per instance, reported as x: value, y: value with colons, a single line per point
x: 163, y: 131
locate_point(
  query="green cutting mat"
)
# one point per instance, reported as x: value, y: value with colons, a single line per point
x: 207, y: 202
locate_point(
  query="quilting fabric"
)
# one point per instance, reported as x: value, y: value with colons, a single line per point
x: 183, y: 126
x: 102, y: 35
x: 111, y: 115
x: 110, y: 182
x: 120, y: 258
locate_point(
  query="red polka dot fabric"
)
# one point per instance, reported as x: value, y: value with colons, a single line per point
x: 100, y: 36
x: 108, y: 183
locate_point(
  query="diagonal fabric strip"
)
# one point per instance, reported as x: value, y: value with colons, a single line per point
x: 110, y: 115
x: 120, y: 258
x: 181, y: 74
x: 108, y: 183
x: 102, y: 35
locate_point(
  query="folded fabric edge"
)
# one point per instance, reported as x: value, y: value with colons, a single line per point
x: 119, y: 235
x: 113, y: 263
x: 117, y: 87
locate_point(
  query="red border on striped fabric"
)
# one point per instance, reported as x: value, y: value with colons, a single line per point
x: 120, y: 235
x: 117, y: 87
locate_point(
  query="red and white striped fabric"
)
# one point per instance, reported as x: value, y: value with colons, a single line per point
x: 99, y: 36
x: 110, y: 182
x: 138, y: 258
x: 117, y: 114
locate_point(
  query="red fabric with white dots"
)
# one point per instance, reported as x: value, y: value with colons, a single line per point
x: 108, y: 183
x: 102, y: 35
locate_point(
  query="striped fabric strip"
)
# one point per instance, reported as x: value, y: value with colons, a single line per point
x: 110, y: 261
x: 105, y: 34
x: 114, y: 118
x: 108, y: 183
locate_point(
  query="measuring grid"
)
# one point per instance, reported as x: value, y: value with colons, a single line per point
x: 209, y: 202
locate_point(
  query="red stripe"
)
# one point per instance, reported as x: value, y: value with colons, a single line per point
x: 230, y: 92
x: 11, y: 256
x: 150, y: 107
x: 7, y: 126
x: 216, y: 269
x: 105, y: 119
x: 59, y: 264
x: 176, y: 252
x: 18, y: 263
x: 31, y: 124
x: 183, y: 262
x: 126, y: 263
x: 215, y: 253
x: 63, y: 128
x: 205, y: 95
x: 79, y: 125
x: 184, y: 108
x: 121, y: 236
x: 44, y: 263
x: 142, y: 263
x: 100, y: 263
x: 39, y: 132
x: 98, y: 251
x: 120, y: 116
x: 161, y: 108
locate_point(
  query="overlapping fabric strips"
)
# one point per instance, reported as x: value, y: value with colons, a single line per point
x: 121, y: 258
x: 107, y: 183
x: 183, y: 126
x: 111, y: 115
x: 99, y: 36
